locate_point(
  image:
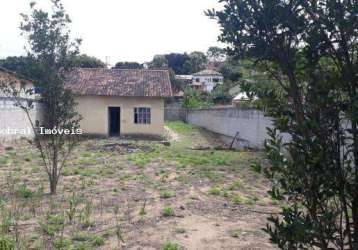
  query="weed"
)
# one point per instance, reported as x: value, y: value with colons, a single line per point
x: 97, y: 241
x: 142, y: 211
x: 256, y: 167
x: 167, y: 194
x: 168, y: 212
x: 180, y: 127
x: 71, y: 212
x: 6, y: 220
x: 237, y: 199
x: 180, y: 230
x: 86, y: 214
x: 61, y: 243
x: 170, y: 246
x: 25, y: 192
x: 6, y: 243
x: 235, y: 186
x: 52, y: 224
x: 236, y: 233
x: 215, y: 191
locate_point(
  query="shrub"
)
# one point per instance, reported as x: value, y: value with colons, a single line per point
x: 215, y: 191
x: 170, y: 246
x: 168, y: 211
x: 167, y: 194
x: 6, y: 243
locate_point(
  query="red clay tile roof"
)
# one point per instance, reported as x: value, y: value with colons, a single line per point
x: 120, y: 82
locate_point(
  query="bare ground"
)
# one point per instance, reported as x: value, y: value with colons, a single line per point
x: 140, y: 195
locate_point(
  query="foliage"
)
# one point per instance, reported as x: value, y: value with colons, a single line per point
x: 221, y: 95
x: 216, y: 54
x: 168, y: 211
x: 52, y: 51
x: 308, y: 51
x: 22, y: 65
x: 167, y: 194
x: 170, y: 246
x: 158, y: 62
x: 231, y: 70
x: 180, y: 127
x: 196, y: 100
x: 181, y: 64
x: 197, y: 61
x: 85, y: 61
x: 6, y: 243
x: 25, y: 192
x: 128, y: 65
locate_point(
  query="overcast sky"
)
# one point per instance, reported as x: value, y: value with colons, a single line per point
x: 124, y: 30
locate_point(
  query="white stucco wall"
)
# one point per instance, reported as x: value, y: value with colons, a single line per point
x: 207, y: 81
x: 14, y: 122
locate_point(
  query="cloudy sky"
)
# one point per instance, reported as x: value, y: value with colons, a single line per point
x: 123, y: 30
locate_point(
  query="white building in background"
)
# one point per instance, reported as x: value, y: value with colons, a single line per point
x: 206, y: 80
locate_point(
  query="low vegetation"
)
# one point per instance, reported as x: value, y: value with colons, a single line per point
x: 134, y: 192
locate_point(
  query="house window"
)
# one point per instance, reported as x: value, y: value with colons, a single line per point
x: 216, y: 80
x: 197, y: 79
x: 142, y: 116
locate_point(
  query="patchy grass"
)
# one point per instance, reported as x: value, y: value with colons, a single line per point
x: 146, y: 196
x: 180, y: 127
x: 170, y: 246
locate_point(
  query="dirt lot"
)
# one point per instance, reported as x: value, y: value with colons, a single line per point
x: 118, y: 194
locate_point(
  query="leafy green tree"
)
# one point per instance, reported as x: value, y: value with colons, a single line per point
x: 85, y: 61
x: 176, y: 62
x: 128, y: 65
x: 196, y: 99
x: 216, y: 54
x: 52, y: 50
x: 158, y: 62
x: 308, y: 50
x: 22, y: 65
x: 197, y: 61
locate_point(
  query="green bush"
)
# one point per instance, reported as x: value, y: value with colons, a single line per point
x: 170, y: 246
x: 168, y: 211
x: 6, y: 243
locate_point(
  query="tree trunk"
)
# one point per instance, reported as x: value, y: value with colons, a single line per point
x: 54, y: 176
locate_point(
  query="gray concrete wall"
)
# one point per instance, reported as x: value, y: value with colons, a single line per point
x: 227, y: 121
x: 173, y: 109
x: 14, y: 123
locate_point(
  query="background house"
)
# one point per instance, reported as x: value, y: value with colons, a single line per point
x: 121, y: 102
x: 206, y: 80
x: 14, y: 122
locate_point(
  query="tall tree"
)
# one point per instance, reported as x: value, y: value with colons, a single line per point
x: 50, y: 46
x: 158, y: 62
x: 310, y: 50
x: 176, y: 61
x: 197, y: 61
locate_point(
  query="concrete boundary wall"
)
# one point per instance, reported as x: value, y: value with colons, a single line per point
x: 13, y: 118
x: 227, y: 121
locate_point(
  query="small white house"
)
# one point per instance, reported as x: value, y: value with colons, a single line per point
x: 206, y: 80
x: 14, y: 122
